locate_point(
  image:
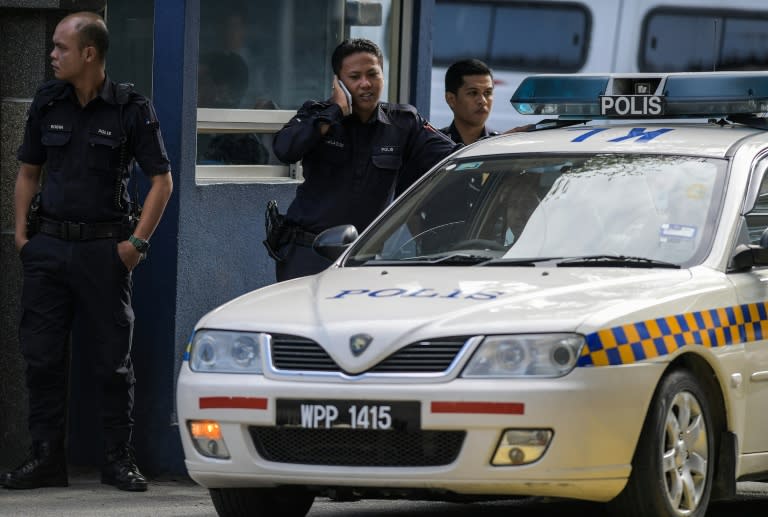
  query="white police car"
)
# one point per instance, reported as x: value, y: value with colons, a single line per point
x: 576, y: 312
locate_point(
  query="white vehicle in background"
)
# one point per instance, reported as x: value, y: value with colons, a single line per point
x: 519, y: 37
x: 576, y: 312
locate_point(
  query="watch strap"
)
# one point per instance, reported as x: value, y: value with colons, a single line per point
x: 141, y: 245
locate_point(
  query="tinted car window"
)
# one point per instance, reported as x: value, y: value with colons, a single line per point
x: 461, y: 30
x: 534, y: 38
x: 693, y: 41
x: 526, y: 37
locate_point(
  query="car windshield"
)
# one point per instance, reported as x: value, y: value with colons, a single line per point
x: 531, y: 210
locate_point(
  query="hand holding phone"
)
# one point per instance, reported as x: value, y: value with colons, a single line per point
x: 346, y: 94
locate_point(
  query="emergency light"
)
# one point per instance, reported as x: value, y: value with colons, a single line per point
x: 673, y: 95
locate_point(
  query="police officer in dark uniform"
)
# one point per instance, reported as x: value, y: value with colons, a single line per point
x: 469, y: 94
x: 86, y: 130
x: 357, y: 156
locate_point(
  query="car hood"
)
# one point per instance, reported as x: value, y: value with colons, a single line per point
x: 400, y: 305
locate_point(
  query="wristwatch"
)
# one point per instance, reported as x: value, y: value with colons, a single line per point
x: 141, y: 245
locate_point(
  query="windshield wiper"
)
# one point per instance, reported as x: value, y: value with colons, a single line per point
x: 615, y: 261
x: 463, y: 259
x: 517, y: 261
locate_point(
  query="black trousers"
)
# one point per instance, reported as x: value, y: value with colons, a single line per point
x: 64, y: 280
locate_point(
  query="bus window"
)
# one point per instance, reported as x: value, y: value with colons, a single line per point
x: 703, y: 40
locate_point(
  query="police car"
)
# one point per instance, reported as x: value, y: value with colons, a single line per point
x: 576, y: 311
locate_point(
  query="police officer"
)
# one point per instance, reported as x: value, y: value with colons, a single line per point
x: 469, y: 94
x: 356, y: 155
x: 85, y: 128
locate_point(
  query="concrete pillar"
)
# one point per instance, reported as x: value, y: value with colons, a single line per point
x: 26, y: 27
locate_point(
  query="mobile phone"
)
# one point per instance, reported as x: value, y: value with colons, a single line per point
x: 346, y: 93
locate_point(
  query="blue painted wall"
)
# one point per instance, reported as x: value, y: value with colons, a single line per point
x: 206, y: 250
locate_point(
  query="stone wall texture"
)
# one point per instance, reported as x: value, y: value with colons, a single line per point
x: 26, y: 27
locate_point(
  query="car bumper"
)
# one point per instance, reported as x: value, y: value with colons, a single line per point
x: 596, y: 415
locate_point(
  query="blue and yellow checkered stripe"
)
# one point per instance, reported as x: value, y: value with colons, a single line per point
x: 648, y: 339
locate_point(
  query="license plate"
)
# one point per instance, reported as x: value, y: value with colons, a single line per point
x: 349, y: 414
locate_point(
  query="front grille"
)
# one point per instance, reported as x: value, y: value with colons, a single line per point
x: 424, y: 356
x: 293, y: 353
x: 298, y: 353
x: 356, y: 447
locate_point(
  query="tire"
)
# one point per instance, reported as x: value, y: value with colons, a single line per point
x: 262, y: 502
x: 673, y: 465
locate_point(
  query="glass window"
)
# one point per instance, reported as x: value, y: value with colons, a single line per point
x: 745, y: 45
x: 129, y: 59
x: 539, y: 38
x: 693, y: 41
x: 530, y: 37
x: 757, y: 217
x: 460, y: 30
x: 259, y: 62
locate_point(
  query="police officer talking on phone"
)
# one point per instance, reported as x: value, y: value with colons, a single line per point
x: 87, y: 130
x: 357, y: 155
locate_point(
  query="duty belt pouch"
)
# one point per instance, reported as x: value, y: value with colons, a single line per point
x: 33, y: 216
x: 276, y: 229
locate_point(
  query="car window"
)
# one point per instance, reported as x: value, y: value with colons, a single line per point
x: 657, y: 207
x: 757, y: 217
x: 529, y: 37
x: 693, y: 40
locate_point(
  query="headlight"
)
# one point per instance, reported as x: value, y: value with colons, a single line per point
x: 226, y: 352
x: 525, y: 355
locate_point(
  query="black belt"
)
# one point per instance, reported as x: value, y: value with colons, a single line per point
x: 70, y: 231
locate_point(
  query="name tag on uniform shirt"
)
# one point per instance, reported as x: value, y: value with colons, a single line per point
x: 57, y: 126
x: 334, y: 143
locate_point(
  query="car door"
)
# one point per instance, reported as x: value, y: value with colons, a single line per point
x: 752, y: 288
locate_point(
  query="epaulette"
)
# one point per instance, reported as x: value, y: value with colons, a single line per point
x: 50, y: 90
x: 388, y: 106
x: 124, y: 94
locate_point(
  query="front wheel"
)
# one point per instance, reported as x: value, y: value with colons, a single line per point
x: 262, y: 502
x: 674, y: 461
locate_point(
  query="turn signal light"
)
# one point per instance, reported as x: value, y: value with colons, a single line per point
x: 207, y: 437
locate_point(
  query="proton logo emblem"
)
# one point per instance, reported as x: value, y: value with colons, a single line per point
x: 359, y: 343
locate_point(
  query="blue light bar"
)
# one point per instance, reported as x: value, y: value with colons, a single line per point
x: 559, y: 95
x: 675, y: 95
x: 721, y: 94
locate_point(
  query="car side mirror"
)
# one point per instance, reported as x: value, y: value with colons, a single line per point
x: 332, y: 242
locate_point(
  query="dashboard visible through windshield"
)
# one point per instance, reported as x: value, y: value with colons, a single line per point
x: 529, y: 209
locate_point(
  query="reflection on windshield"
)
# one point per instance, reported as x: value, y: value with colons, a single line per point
x: 651, y: 206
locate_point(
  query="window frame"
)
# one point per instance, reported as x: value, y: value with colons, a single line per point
x: 222, y: 120
x: 232, y: 120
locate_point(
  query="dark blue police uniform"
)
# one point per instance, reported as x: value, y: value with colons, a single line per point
x: 452, y: 132
x: 71, y: 267
x: 352, y: 172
